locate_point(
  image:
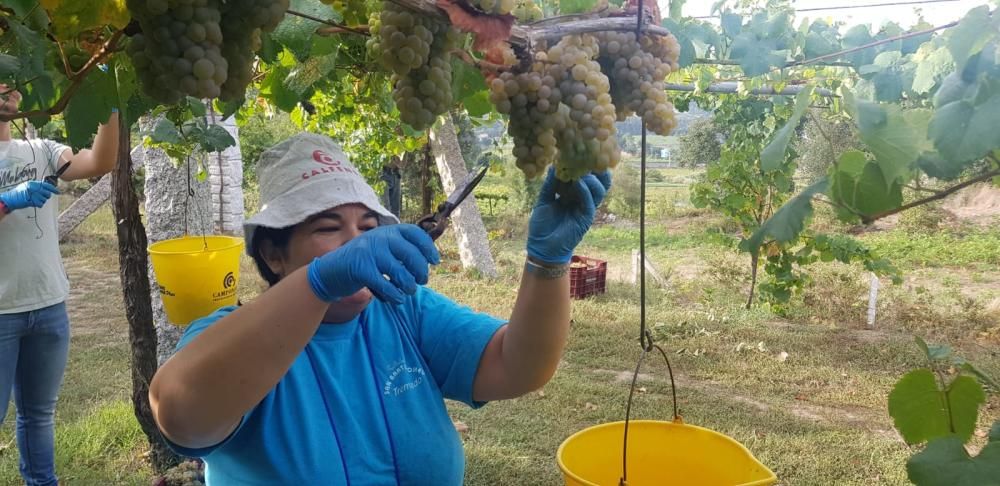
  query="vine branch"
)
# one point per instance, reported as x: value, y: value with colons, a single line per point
x: 75, y: 81
x: 938, y: 195
x: 481, y: 64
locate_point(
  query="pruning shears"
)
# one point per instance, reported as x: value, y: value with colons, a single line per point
x: 54, y: 178
x: 435, y: 224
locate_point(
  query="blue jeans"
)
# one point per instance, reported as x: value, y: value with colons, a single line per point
x: 33, y: 349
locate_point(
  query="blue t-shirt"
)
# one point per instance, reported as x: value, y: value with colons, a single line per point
x: 363, y: 403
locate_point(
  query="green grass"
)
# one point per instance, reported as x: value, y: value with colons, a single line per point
x: 974, y: 247
x: 817, y: 418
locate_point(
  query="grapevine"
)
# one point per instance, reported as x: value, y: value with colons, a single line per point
x: 200, y: 48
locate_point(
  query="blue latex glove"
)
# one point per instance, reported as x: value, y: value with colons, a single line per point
x: 558, y: 223
x: 28, y: 194
x: 401, y: 251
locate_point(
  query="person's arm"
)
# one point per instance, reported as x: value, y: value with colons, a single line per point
x: 199, y: 395
x: 523, y: 356
x: 97, y: 160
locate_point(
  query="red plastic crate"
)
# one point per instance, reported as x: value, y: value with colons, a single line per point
x: 588, y: 279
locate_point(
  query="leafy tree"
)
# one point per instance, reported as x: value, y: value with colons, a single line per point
x: 701, y: 144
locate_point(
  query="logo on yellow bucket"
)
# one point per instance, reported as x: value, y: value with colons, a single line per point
x: 228, y: 284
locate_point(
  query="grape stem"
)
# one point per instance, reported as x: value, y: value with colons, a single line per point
x: 75, y: 81
x: 482, y: 65
x: 327, y: 22
x: 331, y: 30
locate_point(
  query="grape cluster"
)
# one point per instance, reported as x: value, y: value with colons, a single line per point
x: 417, y: 50
x: 560, y: 111
x: 200, y: 48
x: 352, y: 11
x: 189, y: 473
x: 527, y: 11
x: 637, y: 68
x: 494, y: 7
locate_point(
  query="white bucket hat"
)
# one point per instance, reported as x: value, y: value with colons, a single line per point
x: 304, y: 175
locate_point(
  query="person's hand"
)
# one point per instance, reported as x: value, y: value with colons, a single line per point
x: 29, y: 194
x: 558, y: 222
x: 400, y: 251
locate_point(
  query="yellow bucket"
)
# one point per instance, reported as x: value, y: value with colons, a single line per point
x: 661, y: 454
x: 196, y: 275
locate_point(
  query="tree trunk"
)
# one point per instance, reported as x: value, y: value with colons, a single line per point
x: 754, y: 258
x: 133, y: 263
x: 172, y: 212
x: 473, y: 245
x: 392, y: 198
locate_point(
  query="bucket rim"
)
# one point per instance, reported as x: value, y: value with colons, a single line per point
x: 234, y: 242
x: 562, y: 467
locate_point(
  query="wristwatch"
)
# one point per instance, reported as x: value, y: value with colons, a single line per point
x: 544, y: 270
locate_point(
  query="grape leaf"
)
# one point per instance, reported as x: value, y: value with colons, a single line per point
x: 84, y: 113
x: 215, y: 138
x: 756, y: 56
x: 931, y: 69
x: 9, y: 65
x: 946, y: 462
x: 859, y: 185
x: 921, y: 411
x: 296, y: 33
x: 774, y: 153
x: 855, y: 37
x: 895, y: 137
x: 821, y: 40
x: 477, y: 104
x: 466, y: 80
x: 682, y: 32
x: 576, y: 6
x: 487, y: 29
x: 308, y: 72
x: 788, y: 222
x: 731, y: 24
x: 970, y: 35
x: 963, y: 132
x: 70, y: 18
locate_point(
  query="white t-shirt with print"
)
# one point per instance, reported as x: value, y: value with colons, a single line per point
x: 31, y: 270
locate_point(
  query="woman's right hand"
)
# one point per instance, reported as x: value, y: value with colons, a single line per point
x: 401, y: 252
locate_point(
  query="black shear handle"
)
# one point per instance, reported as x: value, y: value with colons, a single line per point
x: 433, y: 225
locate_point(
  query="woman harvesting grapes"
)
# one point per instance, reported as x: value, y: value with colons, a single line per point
x: 337, y: 373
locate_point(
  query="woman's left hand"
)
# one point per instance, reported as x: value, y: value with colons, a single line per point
x: 559, y: 221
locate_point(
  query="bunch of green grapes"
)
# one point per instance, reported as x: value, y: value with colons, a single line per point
x: 637, y: 68
x: 528, y: 11
x: 560, y: 111
x: 189, y: 473
x: 200, y: 48
x: 417, y: 50
x: 352, y: 11
x: 494, y: 7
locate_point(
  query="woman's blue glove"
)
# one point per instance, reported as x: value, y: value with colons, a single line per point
x: 29, y: 194
x: 400, y: 251
x: 558, y: 223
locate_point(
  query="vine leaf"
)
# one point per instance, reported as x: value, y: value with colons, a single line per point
x: 774, y: 154
x: 567, y: 7
x: 922, y: 411
x: 70, y: 18
x: 99, y: 93
x: 860, y: 186
x: 895, y: 137
x: 9, y: 65
x: 788, y: 222
x: 946, y: 462
x: 931, y: 69
x: 971, y: 34
x: 488, y: 29
x: 964, y: 132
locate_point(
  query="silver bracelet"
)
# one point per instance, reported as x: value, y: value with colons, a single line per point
x: 545, y: 271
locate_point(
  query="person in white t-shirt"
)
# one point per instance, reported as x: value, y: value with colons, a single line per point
x: 34, y: 325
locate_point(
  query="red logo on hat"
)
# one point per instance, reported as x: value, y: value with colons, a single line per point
x: 324, y: 158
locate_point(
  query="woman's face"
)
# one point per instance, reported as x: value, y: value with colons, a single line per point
x: 321, y: 234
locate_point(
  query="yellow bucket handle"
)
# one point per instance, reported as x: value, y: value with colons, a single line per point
x: 647, y: 346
